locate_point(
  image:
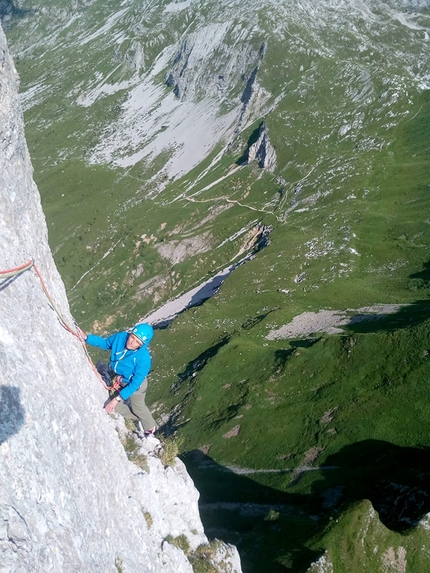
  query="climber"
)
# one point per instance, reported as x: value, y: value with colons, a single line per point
x: 130, y: 362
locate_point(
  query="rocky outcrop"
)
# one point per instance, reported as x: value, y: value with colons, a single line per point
x: 133, y: 58
x: 262, y: 150
x: 70, y: 500
x: 204, y: 65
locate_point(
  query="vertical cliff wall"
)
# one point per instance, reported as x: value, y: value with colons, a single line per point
x: 70, y: 500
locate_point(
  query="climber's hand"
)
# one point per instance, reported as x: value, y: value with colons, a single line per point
x: 110, y: 406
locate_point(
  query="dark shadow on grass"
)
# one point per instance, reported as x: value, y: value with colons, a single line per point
x: 420, y: 280
x: 255, y: 320
x: 409, y: 315
x: 251, y: 140
x: 206, y: 291
x: 274, y: 529
x: 304, y: 343
x: 11, y: 412
x: 197, y: 364
x: 188, y: 377
x: 210, y: 288
x: 9, y: 10
x: 282, y: 355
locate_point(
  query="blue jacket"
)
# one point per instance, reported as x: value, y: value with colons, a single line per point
x: 132, y: 365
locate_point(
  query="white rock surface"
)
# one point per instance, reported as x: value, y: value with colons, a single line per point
x: 331, y: 321
x: 70, y: 500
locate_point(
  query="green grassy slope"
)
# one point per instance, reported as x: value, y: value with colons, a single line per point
x: 344, y: 403
x: 317, y: 83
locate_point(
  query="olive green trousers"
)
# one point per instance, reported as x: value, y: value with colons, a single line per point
x: 135, y: 408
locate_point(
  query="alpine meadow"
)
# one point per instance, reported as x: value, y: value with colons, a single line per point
x: 272, y: 160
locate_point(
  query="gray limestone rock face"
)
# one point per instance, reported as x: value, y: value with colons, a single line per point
x: 70, y: 500
x: 205, y: 66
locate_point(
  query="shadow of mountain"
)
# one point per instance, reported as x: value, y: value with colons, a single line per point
x: 11, y: 412
x: 239, y: 510
x: 255, y: 320
x: 274, y: 529
x: 304, y: 343
x: 200, y: 362
x: 394, y: 479
x: 204, y: 292
x: 282, y: 355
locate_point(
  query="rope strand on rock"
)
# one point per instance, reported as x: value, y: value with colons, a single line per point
x: 5, y: 274
x: 48, y: 296
x: 17, y: 270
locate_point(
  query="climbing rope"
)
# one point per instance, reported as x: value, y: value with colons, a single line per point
x: 17, y: 270
x: 45, y: 290
x: 31, y: 264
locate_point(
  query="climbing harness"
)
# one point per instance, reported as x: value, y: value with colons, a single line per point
x: 117, y: 383
x: 31, y: 264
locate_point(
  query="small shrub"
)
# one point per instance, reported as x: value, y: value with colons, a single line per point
x: 130, y: 444
x: 200, y: 558
x: 131, y: 448
x: 180, y: 541
x: 171, y: 448
x: 272, y: 515
x: 139, y: 460
x: 205, y: 551
x: 130, y: 424
x: 201, y: 565
x: 118, y: 565
x: 148, y: 518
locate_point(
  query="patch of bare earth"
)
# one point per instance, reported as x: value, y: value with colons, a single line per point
x: 205, y: 449
x: 178, y: 251
x: 101, y: 326
x: 250, y: 239
x: 394, y: 562
x: 233, y: 432
x: 328, y: 416
x: 311, y: 455
x: 308, y: 459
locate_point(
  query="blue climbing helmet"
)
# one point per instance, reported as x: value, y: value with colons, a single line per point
x: 144, y: 332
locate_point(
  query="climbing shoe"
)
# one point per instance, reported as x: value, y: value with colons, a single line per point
x: 150, y: 432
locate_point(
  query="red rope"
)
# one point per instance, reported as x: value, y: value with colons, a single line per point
x: 22, y: 268
x: 17, y: 270
x: 45, y: 290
